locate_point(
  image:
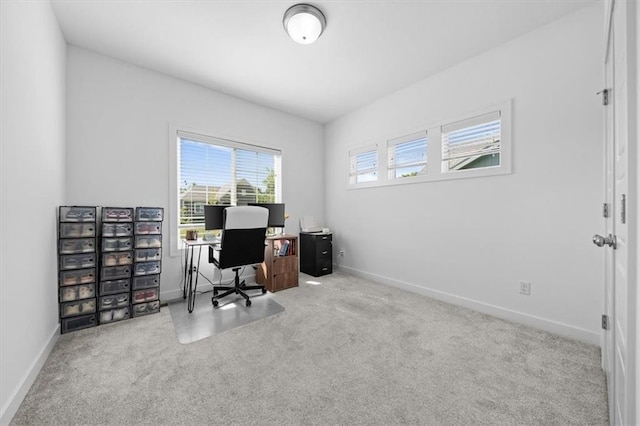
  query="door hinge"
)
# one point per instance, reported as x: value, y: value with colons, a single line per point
x: 605, y: 322
x: 623, y: 209
x: 605, y: 96
x: 605, y: 210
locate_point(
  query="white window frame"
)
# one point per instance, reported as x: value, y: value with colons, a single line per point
x: 353, y: 171
x: 178, y: 131
x: 434, y: 151
x: 392, y: 164
x: 467, y: 124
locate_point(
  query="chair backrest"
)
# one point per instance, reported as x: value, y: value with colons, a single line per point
x: 243, y: 236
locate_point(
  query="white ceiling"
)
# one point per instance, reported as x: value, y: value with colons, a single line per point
x: 368, y: 50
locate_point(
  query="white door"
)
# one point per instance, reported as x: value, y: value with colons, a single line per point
x: 609, y: 212
x: 618, y: 343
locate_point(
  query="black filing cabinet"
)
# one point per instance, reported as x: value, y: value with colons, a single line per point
x: 316, y: 254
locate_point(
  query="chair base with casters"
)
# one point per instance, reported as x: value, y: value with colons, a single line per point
x: 238, y: 288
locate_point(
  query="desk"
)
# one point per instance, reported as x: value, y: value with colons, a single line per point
x: 190, y: 286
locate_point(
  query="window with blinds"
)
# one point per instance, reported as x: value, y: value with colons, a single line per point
x: 221, y: 172
x: 472, y: 144
x: 363, y: 165
x: 478, y: 145
x: 407, y: 156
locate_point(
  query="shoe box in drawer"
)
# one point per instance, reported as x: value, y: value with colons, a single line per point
x: 145, y: 295
x: 77, y: 261
x: 151, y: 214
x: 113, y: 315
x: 152, y: 241
x: 113, y: 301
x: 77, y: 245
x: 77, y: 292
x: 146, y: 255
x: 147, y: 228
x: 77, y: 230
x: 117, y: 214
x: 115, y: 272
x: 145, y: 281
x: 146, y: 268
x: 77, y: 214
x: 115, y: 286
x: 79, y: 276
x: 77, y: 323
x: 78, y: 307
x: 117, y: 258
x: 146, y: 308
x: 117, y: 229
x: 117, y: 244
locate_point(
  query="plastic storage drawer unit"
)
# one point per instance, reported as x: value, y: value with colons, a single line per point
x: 79, y: 307
x: 145, y: 255
x: 145, y: 295
x: 146, y: 308
x: 80, y: 276
x: 77, y: 230
x: 117, y: 229
x: 113, y: 301
x: 77, y: 261
x: 117, y: 244
x: 77, y: 245
x: 148, y: 281
x: 149, y: 214
x: 117, y: 214
x: 117, y: 258
x: 146, y: 268
x: 77, y: 214
x: 77, y: 292
x: 77, y: 323
x: 154, y: 241
x: 115, y: 286
x: 115, y: 272
x: 113, y: 315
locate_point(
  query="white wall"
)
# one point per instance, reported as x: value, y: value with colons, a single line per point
x: 634, y: 134
x: 471, y: 241
x: 32, y: 144
x: 636, y: 25
x: 118, y: 141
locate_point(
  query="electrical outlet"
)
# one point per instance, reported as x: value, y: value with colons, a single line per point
x: 525, y: 288
x: 341, y: 253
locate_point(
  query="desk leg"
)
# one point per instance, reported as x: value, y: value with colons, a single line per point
x: 192, y: 291
x: 189, y: 286
x: 186, y: 271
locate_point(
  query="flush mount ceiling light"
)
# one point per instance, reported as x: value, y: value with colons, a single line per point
x: 304, y: 23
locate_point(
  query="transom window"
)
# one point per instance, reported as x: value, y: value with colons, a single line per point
x: 407, y: 156
x: 467, y: 147
x: 472, y: 143
x: 364, y: 165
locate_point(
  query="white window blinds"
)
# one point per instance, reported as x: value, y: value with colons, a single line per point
x: 407, y: 156
x: 472, y: 143
x: 363, y: 165
x: 217, y: 171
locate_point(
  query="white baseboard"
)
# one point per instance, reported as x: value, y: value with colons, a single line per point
x: 10, y: 409
x: 171, y: 295
x: 554, y: 327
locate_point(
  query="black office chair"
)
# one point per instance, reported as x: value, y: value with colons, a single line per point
x: 242, y: 243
